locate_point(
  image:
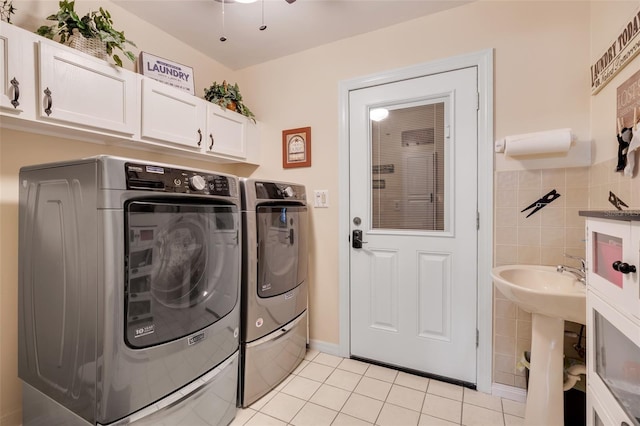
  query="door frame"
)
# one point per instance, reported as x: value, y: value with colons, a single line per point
x: 483, y: 60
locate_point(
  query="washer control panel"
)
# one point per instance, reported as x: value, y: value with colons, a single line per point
x: 167, y: 179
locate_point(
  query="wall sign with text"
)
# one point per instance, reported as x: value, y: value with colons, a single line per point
x: 618, y: 54
x: 165, y: 71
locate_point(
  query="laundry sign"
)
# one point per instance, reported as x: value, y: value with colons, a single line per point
x: 168, y: 72
x: 617, y: 55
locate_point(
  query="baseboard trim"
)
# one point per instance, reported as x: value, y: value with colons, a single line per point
x: 326, y: 347
x: 509, y: 392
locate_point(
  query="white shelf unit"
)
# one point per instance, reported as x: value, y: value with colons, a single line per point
x: 613, y: 322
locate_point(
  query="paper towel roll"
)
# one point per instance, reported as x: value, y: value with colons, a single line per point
x: 551, y: 141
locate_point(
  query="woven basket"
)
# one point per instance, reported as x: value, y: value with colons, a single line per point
x: 91, y: 46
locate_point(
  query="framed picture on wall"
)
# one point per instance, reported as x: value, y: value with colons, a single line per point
x: 296, y: 147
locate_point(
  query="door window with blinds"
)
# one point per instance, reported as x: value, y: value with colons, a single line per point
x: 409, y: 153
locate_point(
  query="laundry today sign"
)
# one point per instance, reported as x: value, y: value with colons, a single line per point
x: 618, y: 54
x: 168, y: 72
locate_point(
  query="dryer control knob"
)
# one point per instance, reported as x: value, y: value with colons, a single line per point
x: 197, y: 183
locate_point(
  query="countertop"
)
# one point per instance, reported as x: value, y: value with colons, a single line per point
x: 623, y: 215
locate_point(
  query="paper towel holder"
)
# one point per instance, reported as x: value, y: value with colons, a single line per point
x: 500, y: 145
x: 579, y: 154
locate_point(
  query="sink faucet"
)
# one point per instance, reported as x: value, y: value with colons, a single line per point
x: 580, y: 273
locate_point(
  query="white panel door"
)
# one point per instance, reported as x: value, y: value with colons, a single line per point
x: 413, y: 291
x: 80, y: 90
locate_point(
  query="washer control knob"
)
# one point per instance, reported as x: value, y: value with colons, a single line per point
x: 197, y: 183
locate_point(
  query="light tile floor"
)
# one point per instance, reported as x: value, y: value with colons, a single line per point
x: 329, y: 390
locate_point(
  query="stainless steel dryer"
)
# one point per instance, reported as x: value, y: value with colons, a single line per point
x: 129, y: 288
x: 274, y: 284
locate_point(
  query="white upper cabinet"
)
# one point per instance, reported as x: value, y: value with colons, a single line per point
x: 226, y: 132
x: 16, y: 76
x: 77, y: 89
x: 47, y: 87
x: 172, y: 116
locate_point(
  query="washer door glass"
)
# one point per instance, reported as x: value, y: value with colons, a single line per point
x: 282, y: 248
x: 182, y: 268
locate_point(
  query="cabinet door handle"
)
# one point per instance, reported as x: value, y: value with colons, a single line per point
x: 49, y: 100
x: 199, y: 137
x: 625, y: 268
x: 212, y: 141
x: 16, y: 92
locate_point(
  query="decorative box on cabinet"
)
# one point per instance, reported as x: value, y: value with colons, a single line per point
x: 77, y: 89
x: 172, y: 116
x: 16, y: 71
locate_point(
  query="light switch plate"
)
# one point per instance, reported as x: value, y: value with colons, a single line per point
x: 321, y: 198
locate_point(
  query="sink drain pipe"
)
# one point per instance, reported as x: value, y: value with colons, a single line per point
x: 573, y: 375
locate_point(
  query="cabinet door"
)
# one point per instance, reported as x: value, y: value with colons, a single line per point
x: 77, y: 89
x: 612, y: 256
x: 171, y: 115
x: 226, y: 132
x: 613, y: 361
x: 597, y: 415
x: 12, y: 73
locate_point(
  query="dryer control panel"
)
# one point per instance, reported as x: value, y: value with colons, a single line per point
x: 280, y: 191
x: 151, y: 177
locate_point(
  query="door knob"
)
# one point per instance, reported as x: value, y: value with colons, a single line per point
x: 356, y: 239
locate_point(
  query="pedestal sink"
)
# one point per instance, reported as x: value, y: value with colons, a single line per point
x: 551, y: 297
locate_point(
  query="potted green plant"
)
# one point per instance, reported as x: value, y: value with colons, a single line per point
x: 228, y: 96
x: 93, y: 25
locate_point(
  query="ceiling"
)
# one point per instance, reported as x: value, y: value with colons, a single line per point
x: 291, y: 28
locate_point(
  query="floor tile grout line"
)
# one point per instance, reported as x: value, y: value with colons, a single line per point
x: 351, y: 392
x: 325, y: 383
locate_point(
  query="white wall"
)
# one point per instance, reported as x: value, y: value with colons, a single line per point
x: 607, y: 20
